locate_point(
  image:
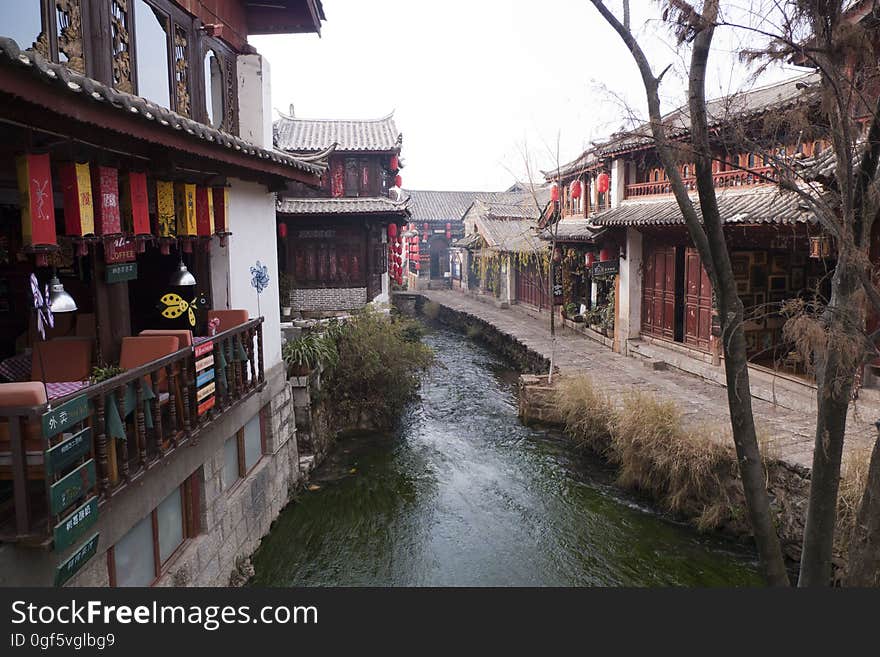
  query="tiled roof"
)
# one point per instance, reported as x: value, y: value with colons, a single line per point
x: 308, y: 135
x: 75, y: 83
x: 573, y: 229
x: 757, y: 205
x: 452, y: 206
x: 510, y: 235
x: 342, y: 205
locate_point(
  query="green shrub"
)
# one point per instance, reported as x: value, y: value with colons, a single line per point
x: 377, y: 369
x: 304, y: 354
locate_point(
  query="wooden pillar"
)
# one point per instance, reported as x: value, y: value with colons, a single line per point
x: 112, y: 314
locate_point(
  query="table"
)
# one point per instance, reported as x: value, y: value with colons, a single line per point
x: 16, y: 368
x: 63, y: 388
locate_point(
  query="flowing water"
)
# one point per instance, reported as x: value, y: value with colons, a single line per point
x: 463, y: 494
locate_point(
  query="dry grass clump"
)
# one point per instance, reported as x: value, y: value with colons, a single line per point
x: 687, y: 470
x: 431, y: 310
x: 853, y: 478
x: 587, y: 413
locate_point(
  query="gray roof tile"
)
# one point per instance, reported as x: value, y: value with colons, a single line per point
x: 309, y: 135
x: 342, y: 205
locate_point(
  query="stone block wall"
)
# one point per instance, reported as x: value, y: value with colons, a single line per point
x: 325, y: 299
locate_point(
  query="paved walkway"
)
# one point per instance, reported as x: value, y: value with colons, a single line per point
x: 789, y: 434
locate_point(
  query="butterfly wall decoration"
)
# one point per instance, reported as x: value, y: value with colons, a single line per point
x: 176, y: 305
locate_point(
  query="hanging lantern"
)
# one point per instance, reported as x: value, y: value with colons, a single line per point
x: 105, y: 189
x: 185, y: 209
x: 394, y: 165
x: 608, y: 253
x: 820, y: 246
x: 221, y: 213
x: 603, y: 183
x: 398, y: 181
x: 136, y: 208
x: 392, y: 231
x: 37, y: 205
x: 165, y: 211
x: 79, y: 216
x: 575, y: 191
x: 448, y: 231
x: 554, y: 193
x: 204, y: 212
x: 282, y: 230
x: 590, y: 258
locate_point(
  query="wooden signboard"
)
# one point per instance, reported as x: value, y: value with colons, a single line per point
x: 120, y: 250
x: 77, y: 560
x: 65, y: 416
x: 204, y: 354
x: 68, y: 452
x: 606, y: 268
x: 71, y: 487
x: 75, y: 525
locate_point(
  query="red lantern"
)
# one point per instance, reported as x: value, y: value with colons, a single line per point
x: 608, y: 253
x: 603, y: 182
x: 554, y: 193
x: 576, y: 188
x: 37, y: 204
x: 398, y: 181
x: 395, y: 163
x: 221, y: 213
x: 105, y: 189
x: 591, y: 258
x: 76, y: 183
x: 204, y: 212
x: 392, y: 231
x: 448, y: 231
x: 282, y: 230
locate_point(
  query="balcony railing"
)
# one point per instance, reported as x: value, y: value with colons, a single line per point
x: 132, y: 422
x: 722, y: 179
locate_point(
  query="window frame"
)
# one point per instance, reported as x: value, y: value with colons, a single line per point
x: 190, y: 499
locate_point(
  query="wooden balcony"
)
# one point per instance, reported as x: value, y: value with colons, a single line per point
x: 722, y: 179
x: 116, y: 431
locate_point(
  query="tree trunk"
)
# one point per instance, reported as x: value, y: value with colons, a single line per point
x: 834, y: 381
x: 864, y: 550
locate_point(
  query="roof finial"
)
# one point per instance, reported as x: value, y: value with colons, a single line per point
x: 290, y: 113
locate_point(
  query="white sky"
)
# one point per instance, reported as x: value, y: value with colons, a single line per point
x: 475, y: 83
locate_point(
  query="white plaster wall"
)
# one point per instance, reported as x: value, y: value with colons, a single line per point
x: 618, y: 167
x: 630, y: 305
x: 252, y: 222
x: 254, y: 100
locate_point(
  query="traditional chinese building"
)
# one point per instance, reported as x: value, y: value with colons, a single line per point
x: 335, y: 240
x: 136, y: 165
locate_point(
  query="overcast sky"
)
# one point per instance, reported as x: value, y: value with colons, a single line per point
x: 475, y: 83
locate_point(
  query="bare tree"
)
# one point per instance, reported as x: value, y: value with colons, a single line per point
x: 706, y: 232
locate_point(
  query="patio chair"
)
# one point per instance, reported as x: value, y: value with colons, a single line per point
x: 64, y: 359
x: 142, y: 349
x: 228, y: 318
x: 184, y: 336
x: 18, y: 395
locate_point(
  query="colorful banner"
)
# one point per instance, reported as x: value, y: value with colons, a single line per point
x: 105, y: 187
x: 37, y: 202
x: 205, y: 387
x: 76, y: 184
x: 165, y: 208
x: 135, y: 206
x: 204, y: 211
x: 185, y: 208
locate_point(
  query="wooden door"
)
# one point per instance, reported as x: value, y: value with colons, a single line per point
x: 530, y: 286
x: 698, y: 302
x: 658, y: 292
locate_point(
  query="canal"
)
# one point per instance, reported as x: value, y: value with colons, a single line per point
x: 463, y: 494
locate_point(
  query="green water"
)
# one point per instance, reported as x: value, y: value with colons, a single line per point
x: 462, y: 494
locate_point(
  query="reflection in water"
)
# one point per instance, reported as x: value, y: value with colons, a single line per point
x: 463, y: 494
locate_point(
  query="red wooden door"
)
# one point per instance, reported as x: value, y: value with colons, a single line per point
x: 530, y: 286
x: 658, y: 292
x: 698, y: 302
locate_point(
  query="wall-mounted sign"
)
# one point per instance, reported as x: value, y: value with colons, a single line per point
x: 65, y: 416
x: 67, y: 452
x: 120, y: 272
x: 75, y: 525
x: 72, y: 487
x: 121, y: 249
x: 606, y: 268
x: 77, y: 560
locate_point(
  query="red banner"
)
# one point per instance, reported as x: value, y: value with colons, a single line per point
x: 105, y: 188
x: 37, y: 203
x: 135, y: 204
x: 221, y: 209
x: 76, y: 184
x: 204, y: 212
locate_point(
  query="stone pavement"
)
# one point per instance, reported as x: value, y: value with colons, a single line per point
x: 789, y: 434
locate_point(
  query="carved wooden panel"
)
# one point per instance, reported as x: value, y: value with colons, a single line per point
x: 70, y: 33
x: 230, y: 105
x: 121, y: 45
x: 181, y: 71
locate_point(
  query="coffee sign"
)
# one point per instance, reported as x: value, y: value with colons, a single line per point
x: 119, y: 250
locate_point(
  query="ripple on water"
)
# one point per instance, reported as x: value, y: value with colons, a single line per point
x: 463, y: 494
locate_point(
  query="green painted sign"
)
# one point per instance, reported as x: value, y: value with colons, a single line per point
x: 120, y: 272
x: 65, y: 416
x: 69, y: 451
x: 70, y: 488
x: 75, y: 525
x: 77, y: 560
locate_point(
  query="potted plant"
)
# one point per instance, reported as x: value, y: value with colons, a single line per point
x: 285, y: 286
x: 103, y: 373
x: 304, y: 354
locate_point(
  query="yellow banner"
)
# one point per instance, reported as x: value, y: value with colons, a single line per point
x: 165, y: 208
x: 185, y: 200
